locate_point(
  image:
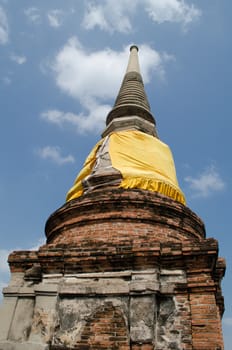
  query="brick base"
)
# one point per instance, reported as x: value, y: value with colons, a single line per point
x: 121, y: 270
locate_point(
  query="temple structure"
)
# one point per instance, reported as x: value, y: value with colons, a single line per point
x: 127, y: 264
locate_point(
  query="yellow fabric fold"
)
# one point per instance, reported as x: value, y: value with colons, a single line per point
x: 144, y: 162
x: 77, y: 189
x: 155, y: 186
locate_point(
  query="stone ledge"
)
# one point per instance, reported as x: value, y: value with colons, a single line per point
x: 18, y: 291
x: 144, y: 286
x: 133, y: 122
x: 91, y: 287
x: 22, y: 346
x: 46, y: 289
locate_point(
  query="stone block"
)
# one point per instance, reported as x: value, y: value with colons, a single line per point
x: 7, y: 310
x: 104, y: 286
x: 17, y: 279
x: 44, y: 318
x: 21, y: 324
x: 142, y: 318
x: 22, y: 346
x: 46, y: 289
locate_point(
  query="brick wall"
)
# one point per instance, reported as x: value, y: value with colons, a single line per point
x: 206, y: 322
x: 105, y: 330
x: 104, y: 216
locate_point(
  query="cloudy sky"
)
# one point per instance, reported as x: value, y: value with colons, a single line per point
x: 61, y: 65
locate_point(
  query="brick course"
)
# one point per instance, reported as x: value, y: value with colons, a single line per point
x: 105, y: 330
x: 102, y: 215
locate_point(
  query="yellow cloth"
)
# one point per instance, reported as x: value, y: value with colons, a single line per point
x: 143, y: 161
x: 77, y: 189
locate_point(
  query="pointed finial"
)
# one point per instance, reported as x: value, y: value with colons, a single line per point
x: 133, y: 64
x: 131, y: 108
x: 134, y: 47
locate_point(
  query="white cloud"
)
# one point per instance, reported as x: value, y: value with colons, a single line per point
x: 86, y: 75
x: 55, y: 18
x: 53, y: 153
x: 33, y: 14
x: 4, y: 269
x: 93, y: 121
x: 94, y: 79
x: 208, y: 182
x: 4, y: 28
x: 111, y: 15
x: 172, y: 11
x: 18, y: 59
x: 3, y: 261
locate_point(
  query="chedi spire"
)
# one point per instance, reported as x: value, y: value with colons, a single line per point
x: 129, y: 155
x: 126, y: 265
x: 131, y: 108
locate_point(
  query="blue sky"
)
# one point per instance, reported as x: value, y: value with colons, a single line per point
x: 61, y: 65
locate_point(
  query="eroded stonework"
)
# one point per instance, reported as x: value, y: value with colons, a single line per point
x: 96, y: 311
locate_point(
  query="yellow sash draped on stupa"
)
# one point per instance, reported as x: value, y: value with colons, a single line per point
x: 143, y: 160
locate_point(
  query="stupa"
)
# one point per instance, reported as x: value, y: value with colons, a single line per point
x: 127, y: 264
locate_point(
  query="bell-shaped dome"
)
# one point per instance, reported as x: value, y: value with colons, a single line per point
x: 129, y: 159
x: 129, y: 155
